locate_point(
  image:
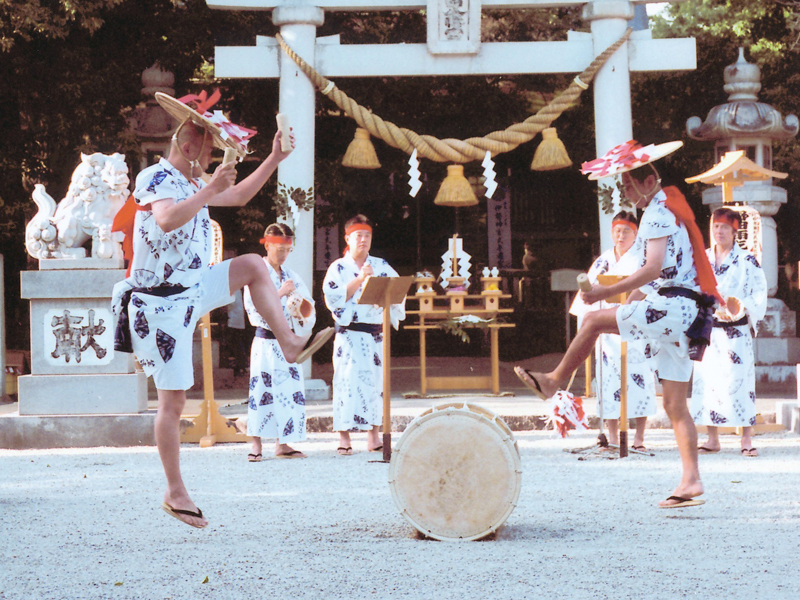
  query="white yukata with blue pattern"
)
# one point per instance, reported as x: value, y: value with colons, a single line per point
x: 276, y: 404
x: 641, y: 381
x: 162, y: 327
x: 724, y: 384
x: 659, y: 320
x: 357, y: 356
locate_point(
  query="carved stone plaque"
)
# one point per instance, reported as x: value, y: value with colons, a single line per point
x: 79, y: 337
x: 454, y: 26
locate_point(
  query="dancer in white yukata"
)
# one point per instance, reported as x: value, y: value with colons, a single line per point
x: 276, y: 404
x: 641, y: 381
x: 673, y: 293
x: 358, y: 346
x: 724, y: 385
x: 171, y: 284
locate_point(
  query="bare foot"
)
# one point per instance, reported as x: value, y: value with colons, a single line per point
x: 192, y: 515
x: 685, y: 492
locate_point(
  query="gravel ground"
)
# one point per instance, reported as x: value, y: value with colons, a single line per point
x: 87, y: 523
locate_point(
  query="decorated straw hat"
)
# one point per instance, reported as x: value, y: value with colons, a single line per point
x: 194, y: 107
x: 627, y: 157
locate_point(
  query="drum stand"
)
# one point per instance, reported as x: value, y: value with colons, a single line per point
x: 383, y: 292
x: 602, y: 440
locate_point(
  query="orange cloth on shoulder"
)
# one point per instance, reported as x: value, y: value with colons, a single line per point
x: 123, y: 221
x: 677, y: 205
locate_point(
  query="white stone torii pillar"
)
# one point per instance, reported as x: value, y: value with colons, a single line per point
x: 297, y: 97
x: 298, y: 21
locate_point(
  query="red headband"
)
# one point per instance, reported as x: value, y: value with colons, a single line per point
x: 357, y: 227
x: 728, y: 220
x: 624, y: 222
x: 276, y: 239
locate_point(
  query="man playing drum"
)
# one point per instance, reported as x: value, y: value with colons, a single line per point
x: 671, y: 303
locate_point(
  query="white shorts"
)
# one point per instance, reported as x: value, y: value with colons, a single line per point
x: 662, y: 323
x: 162, y: 328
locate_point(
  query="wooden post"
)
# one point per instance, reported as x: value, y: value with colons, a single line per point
x: 383, y: 292
x: 623, y: 401
x: 209, y: 439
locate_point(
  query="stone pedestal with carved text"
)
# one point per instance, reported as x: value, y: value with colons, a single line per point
x: 74, y: 368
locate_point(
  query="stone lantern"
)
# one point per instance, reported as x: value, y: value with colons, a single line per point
x: 746, y: 124
x: 151, y: 123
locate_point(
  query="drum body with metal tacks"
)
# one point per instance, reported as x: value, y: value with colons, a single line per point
x: 455, y: 473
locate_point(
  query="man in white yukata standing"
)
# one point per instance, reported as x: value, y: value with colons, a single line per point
x: 358, y: 345
x: 724, y: 385
x: 641, y: 383
x: 672, y: 296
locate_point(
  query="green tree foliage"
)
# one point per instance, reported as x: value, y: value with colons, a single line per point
x: 70, y: 74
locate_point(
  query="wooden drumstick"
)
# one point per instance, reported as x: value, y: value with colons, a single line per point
x: 283, y: 127
x: 230, y: 156
x: 583, y: 283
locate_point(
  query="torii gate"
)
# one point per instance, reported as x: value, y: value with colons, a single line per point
x: 453, y: 48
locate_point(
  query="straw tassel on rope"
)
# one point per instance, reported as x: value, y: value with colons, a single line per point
x: 452, y: 150
x: 551, y: 153
x: 456, y: 190
x: 361, y: 153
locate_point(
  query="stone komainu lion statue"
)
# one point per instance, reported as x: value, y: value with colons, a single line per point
x: 98, y: 189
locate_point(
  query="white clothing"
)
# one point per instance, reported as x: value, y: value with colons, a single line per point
x: 357, y: 355
x: 641, y: 387
x: 659, y: 318
x: 162, y: 327
x: 724, y: 385
x: 276, y: 403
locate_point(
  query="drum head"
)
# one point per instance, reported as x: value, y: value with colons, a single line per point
x: 455, y: 473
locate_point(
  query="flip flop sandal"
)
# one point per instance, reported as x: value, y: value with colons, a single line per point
x: 292, y: 454
x: 345, y: 451
x: 176, y: 512
x: 682, y: 502
x: 253, y: 458
x: 317, y: 342
x: 534, y: 387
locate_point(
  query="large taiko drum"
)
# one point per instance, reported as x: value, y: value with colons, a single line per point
x: 455, y: 473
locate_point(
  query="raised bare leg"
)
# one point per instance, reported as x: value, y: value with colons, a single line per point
x: 690, y: 485
x: 250, y: 270
x: 594, y: 323
x: 167, y: 432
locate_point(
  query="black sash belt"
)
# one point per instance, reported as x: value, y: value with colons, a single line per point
x: 264, y: 334
x: 122, y: 334
x: 739, y: 323
x: 699, y: 332
x: 361, y: 327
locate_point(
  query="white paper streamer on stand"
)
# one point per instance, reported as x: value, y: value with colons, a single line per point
x: 566, y: 412
x: 488, y: 172
x: 413, y: 174
x: 462, y: 260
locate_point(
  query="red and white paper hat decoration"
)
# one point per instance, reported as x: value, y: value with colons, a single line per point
x: 627, y: 157
x: 195, y: 107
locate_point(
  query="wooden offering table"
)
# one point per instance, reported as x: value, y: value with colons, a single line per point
x: 435, y: 309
